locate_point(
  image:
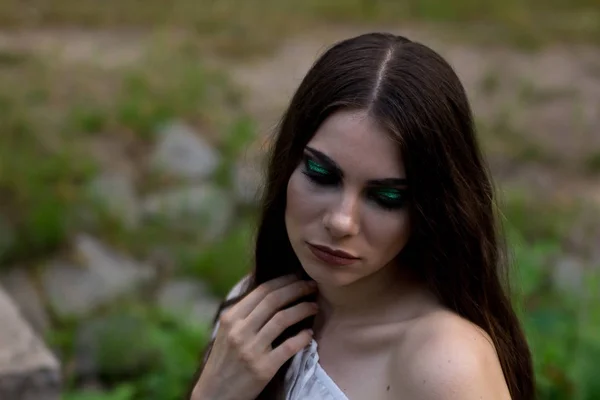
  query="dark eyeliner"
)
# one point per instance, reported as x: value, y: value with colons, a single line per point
x: 316, y: 167
x: 318, y: 173
x: 322, y: 171
x: 388, y: 198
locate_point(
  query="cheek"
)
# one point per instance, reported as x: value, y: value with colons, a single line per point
x: 303, y: 204
x: 388, y: 232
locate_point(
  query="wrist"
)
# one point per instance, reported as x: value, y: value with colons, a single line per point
x: 202, y: 391
x: 199, y: 394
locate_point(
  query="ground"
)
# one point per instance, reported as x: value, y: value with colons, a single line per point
x: 538, y: 109
x: 98, y: 92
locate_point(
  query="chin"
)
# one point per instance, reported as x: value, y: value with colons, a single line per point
x: 327, y: 275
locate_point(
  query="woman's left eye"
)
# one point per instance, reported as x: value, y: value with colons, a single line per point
x: 314, y: 167
x: 388, y: 198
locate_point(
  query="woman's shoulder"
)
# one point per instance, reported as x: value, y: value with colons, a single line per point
x: 444, y: 356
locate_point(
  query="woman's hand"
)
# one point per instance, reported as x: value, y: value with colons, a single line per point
x: 242, y: 361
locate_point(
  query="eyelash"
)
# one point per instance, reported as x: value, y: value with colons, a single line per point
x: 319, y: 175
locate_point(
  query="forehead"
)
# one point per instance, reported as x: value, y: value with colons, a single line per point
x: 359, y: 145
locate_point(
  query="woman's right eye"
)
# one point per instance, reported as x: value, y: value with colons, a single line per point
x: 318, y: 173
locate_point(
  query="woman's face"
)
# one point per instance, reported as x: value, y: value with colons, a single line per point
x: 346, y: 213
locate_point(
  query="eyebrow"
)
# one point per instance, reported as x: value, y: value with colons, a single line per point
x: 323, y: 158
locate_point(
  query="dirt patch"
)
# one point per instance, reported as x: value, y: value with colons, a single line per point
x: 107, y: 49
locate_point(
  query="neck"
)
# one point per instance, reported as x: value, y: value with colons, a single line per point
x: 376, y: 298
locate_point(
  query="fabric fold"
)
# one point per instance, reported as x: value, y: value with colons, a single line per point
x: 306, y: 380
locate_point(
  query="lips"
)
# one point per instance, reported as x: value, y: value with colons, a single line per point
x: 332, y: 256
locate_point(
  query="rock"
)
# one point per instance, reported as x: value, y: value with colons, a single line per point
x: 247, y: 181
x: 204, y: 209
x: 189, y: 299
x: 99, y: 276
x: 567, y: 274
x: 181, y: 152
x: 116, y: 192
x: 28, y: 370
x: 19, y: 286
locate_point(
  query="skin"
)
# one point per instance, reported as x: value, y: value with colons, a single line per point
x: 242, y: 360
x: 374, y: 316
x: 381, y: 333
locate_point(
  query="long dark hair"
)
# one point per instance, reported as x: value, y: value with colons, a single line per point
x: 455, y: 245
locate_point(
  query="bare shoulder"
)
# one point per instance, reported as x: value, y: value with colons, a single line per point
x: 444, y: 357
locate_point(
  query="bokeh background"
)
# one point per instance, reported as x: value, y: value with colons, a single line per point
x: 132, y: 136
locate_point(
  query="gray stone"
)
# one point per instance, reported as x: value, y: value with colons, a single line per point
x: 28, y: 370
x: 189, y: 299
x: 116, y: 192
x: 247, y: 181
x: 19, y: 285
x: 181, y: 152
x: 204, y: 209
x: 99, y: 276
x: 567, y: 274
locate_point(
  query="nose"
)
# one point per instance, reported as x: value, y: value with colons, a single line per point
x: 342, y: 220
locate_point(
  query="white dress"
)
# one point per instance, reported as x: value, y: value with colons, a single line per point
x: 305, y: 379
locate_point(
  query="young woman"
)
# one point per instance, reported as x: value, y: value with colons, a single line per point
x: 377, y: 244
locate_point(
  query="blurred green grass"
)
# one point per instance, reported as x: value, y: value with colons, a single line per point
x: 52, y: 117
x: 245, y: 27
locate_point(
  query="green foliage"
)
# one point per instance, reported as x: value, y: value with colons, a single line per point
x: 87, y: 118
x: 12, y: 58
x: 48, y: 134
x: 138, y: 109
x: 38, y: 186
x: 151, y: 97
x: 563, y: 328
x: 237, y: 137
x: 564, y: 341
x: 531, y: 274
x: 243, y: 27
x: 490, y: 83
x: 592, y: 163
x: 122, y: 392
x: 515, y: 144
x: 225, y: 262
x: 175, y: 346
x: 536, y: 219
x: 180, y: 345
x: 530, y: 94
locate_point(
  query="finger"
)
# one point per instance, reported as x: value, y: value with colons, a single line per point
x: 244, y: 307
x: 275, y: 301
x: 281, y: 321
x: 288, y: 349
